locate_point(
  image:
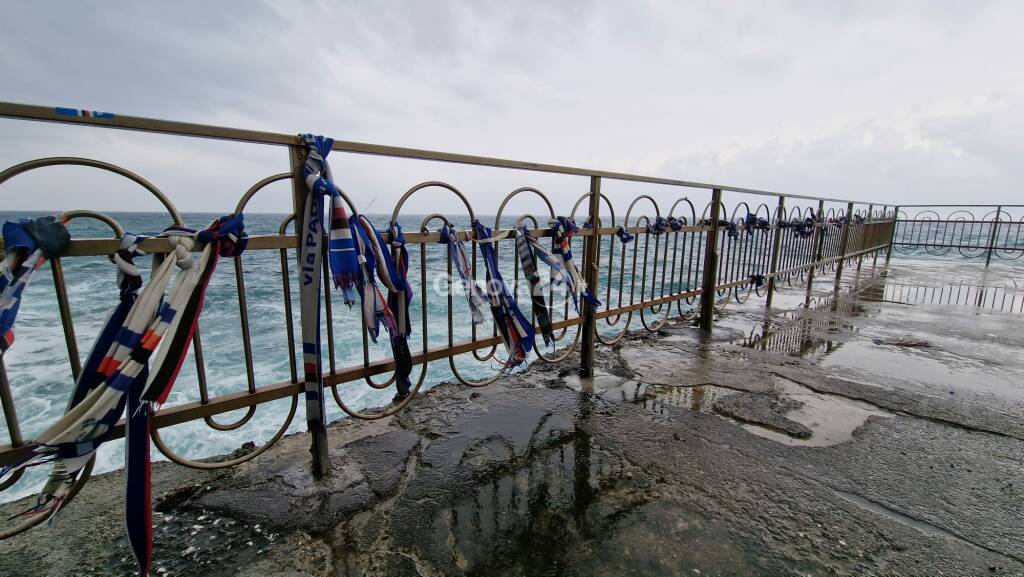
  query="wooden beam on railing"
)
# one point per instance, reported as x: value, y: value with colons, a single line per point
x: 780, y: 213
x: 591, y: 251
x: 707, y: 297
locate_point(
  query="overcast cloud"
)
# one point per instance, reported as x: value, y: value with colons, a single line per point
x: 882, y: 101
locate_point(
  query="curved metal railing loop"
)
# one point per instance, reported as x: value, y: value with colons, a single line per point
x: 27, y: 166
x: 559, y: 334
x: 689, y: 255
x: 243, y: 315
x: 645, y: 222
x: 611, y: 320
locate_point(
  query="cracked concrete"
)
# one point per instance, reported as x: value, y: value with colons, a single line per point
x: 784, y: 450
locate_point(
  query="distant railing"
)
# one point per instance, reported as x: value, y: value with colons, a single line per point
x: 973, y: 231
x: 684, y: 263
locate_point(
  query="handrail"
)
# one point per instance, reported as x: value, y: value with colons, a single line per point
x: 107, y: 120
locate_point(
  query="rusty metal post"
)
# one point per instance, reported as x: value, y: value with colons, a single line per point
x: 317, y: 426
x: 707, y: 295
x: 819, y: 237
x: 844, y: 241
x: 776, y: 245
x: 864, y: 237
x: 892, y: 234
x: 992, y: 236
x: 591, y: 250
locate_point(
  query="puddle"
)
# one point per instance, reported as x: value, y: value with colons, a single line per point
x: 599, y: 382
x: 926, y: 365
x: 823, y: 419
x: 832, y: 419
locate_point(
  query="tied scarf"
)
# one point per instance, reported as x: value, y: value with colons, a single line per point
x: 460, y: 262
x: 358, y: 257
x: 29, y: 244
x: 375, y: 262
x: 515, y: 331
x: 117, y: 375
x: 528, y: 262
x: 316, y: 174
x: 562, y: 231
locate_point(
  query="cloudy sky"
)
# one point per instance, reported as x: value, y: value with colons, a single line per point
x: 880, y: 101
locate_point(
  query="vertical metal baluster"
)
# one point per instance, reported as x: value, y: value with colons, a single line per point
x: 10, y: 414
x: 65, y: 316
x: 197, y: 349
x: 329, y: 314
x: 289, y: 323
x: 590, y: 252
x: 707, y: 296
x: 243, y: 315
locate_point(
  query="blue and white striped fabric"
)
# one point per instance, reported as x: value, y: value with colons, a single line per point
x: 28, y: 243
x: 516, y: 330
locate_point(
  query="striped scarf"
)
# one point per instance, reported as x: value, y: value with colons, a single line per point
x: 562, y: 230
x: 528, y: 248
x: 460, y: 262
x: 358, y: 257
x: 117, y: 374
x: 29, y: 243
x: 375, y: 263
x: 515, y: 330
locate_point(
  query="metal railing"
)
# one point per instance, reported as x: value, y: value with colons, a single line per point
x: 716, y: 251
x: 973, y: 231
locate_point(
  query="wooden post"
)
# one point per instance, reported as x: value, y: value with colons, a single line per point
x: 844, y: 240
x: 780, y: 213
x: 591, y: 251
x: 316, y: 414
x: 818, y: 241
x: 707, y: 295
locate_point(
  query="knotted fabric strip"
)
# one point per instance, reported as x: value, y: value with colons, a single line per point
x: 316, y: 174
x: 515, y: 330
x: 375, y: 262
x: 562, y: 231
x: 460, y: 262
x: 528, y: 262
x: 117, y: 374
x: 29, y: 244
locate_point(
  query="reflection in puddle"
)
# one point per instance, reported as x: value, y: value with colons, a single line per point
x: 534, y: 515
x: 995, y: 298
x: 806, y: 332
x: 831, y: 419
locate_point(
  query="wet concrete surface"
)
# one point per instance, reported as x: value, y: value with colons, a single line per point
x: 803, y: 442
